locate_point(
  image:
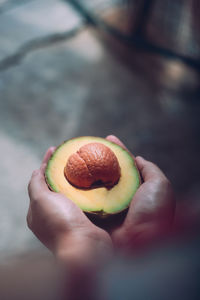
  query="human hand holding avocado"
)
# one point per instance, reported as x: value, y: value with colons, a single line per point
x: 67, y: 232
x: 61, y: 225
x: 151, y: 211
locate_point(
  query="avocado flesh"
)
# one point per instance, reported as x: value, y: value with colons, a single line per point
x: 98, y: 200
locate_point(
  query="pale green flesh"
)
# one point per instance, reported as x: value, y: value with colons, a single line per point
x: 100, y: 199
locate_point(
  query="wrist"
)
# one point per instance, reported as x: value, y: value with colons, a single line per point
x: 83, y: 250
x: 81, y: 258
x: 75, y: 256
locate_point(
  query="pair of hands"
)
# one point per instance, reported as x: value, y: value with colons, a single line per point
x: 62, y: 226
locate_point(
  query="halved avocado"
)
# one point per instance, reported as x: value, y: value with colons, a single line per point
x: 99, y: 200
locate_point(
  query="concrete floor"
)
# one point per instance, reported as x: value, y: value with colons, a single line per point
x: 87, y: 85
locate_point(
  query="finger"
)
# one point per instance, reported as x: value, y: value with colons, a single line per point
x: 43, y: 168
x: 48, y: 154
x: 148, y: 169
x: 46, y: 158
x: 114, y: 139
x: 37, y: 185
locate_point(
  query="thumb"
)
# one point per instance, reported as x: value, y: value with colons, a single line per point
x: 148, y: 169
x: 37, y: 185
x: 115, y: 140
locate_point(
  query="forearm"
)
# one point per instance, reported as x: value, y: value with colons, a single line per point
x: 78, y: 281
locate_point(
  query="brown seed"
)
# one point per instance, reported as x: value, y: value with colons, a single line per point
x: 92, y: 163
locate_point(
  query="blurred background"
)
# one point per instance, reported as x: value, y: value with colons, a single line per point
x: 82, y: 67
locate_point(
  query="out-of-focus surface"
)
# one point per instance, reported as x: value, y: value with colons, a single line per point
x: 86, y: 86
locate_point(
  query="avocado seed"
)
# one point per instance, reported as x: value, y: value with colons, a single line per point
x: 92, y: 164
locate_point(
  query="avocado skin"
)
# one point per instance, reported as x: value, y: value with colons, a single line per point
x: 98, y: 215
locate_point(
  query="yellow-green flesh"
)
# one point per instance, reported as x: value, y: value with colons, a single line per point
x: 101, y: 199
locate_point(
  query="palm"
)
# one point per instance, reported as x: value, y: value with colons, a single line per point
x: 72, y: 218
x: 53, y: 217
x: 152, y: 208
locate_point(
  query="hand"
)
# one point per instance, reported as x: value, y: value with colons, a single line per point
x: 60, y: 225
x: 152, y: 208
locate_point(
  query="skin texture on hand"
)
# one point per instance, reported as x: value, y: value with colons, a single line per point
x: 151, y: 212
x: 60, y: 225
x: 63, y: 227
x: 67, y: 232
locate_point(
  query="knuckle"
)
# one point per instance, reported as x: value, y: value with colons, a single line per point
x: 29, y: 186
x: 34, y: 201
x: 28, y: 221
x: 35, y: 173
x: 164, y: 182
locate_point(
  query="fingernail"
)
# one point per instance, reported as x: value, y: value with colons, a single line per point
x: 110, y: 136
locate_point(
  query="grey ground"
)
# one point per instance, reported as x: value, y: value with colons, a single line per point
x: 86, y: 85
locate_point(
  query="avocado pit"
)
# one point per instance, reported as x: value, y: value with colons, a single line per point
x: 92, y: 165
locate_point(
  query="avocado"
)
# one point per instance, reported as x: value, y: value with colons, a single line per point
x: 97, y: 175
